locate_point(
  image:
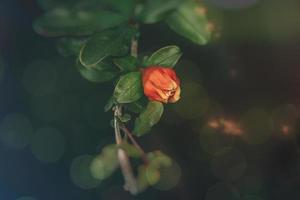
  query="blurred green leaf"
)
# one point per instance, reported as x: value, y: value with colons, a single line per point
x: 189, y: 22
x: 62, y: 21
x: 167, y: 56
x: 148, y: 118
x: 128, y: 63
x: 99, y: 73
x: 111, y: 42
x: 129, y: 88
x: 131, y: 150
x: 125, y: 7
x: 149, y: 175
x: 68, y: 46
x: 155, y: 10
x: 50, y: 4
x: 106, y: 163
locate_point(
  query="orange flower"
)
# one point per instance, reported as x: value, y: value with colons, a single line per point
x: 161, y: 84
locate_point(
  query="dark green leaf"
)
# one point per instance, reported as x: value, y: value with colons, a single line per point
x: 137, y: 106
x: 62, y: 21
x: 190, y: 23
x: 155, y: 10
x: 128, y: 63
x: 129, y: 88
x: 125, y: 7
x: 99, y: 73
x: 167, y: 56
x: 148, y: 118
x: 68, y: 46
x: 111, y: 42
x: 125, y: 118
x: 111, y: 102
x: 106, y: 163
x: 131, y: 150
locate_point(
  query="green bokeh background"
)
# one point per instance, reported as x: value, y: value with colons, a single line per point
x: 52, y: 120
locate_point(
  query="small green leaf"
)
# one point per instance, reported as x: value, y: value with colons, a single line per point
x: 167, y: 56
x: 131, y: 150
x: 125, y: 118
x: 68, y: 46
x: 62, y: 21
x: 148, y: 118
x: 99, y: 73
x: 155, y: 10
x: 111, y: 102
x: 105, y: 164
x: 190, y: 23
x: 128, y: 63
x: 129, y: 88
x: 111, y: 42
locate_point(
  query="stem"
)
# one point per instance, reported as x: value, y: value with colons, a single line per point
x: 134, y: 142
x: 134, y: 44
x: 130, y: 181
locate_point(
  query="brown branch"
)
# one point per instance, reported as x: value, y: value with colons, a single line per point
x: 130, y: 180
x: 135, y: 143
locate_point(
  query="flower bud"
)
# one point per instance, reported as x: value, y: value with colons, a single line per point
x: 161, y: 84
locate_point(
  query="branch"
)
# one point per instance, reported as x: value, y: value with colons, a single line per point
x: 134, y: 142
x: 130, y: 181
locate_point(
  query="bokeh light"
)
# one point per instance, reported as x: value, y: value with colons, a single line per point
x: 229, y: 166
x: 48, y: 145
x: 40, y: 78
x: 169, y: 177
x: 81, y: 174
x: 194, y: 101
x: 284, y: 119
x: 55, y: 107
x: 222, y: 191
x: 214, y: 142
x: 15, y: 131
x: 257, y: 125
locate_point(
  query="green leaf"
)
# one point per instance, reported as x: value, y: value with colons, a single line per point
x: 62, y: 21
x: 68, y: 46
x: 128, y: 63
x: 149, y: 175
x: 106, y: 163
x: 148, y: 118
x: 125, y: 7
x: 167, y: 56
x: 190, y: 23
x: 111, y: 102
x: 129, y: 88
x: 111, y: 42
x: 137, y: 106
x: 131, y: 150
x: 155, y: 10
x: 99, y: 73
x: 125, y: 118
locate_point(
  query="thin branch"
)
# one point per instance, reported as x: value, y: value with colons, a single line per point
x: 135, y: 143
x: 130, y: 181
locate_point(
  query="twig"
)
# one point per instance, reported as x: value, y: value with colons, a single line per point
x: 130, y: 181
x: 134, y: 142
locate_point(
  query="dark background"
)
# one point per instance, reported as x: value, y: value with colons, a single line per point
x: 252, y: 64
